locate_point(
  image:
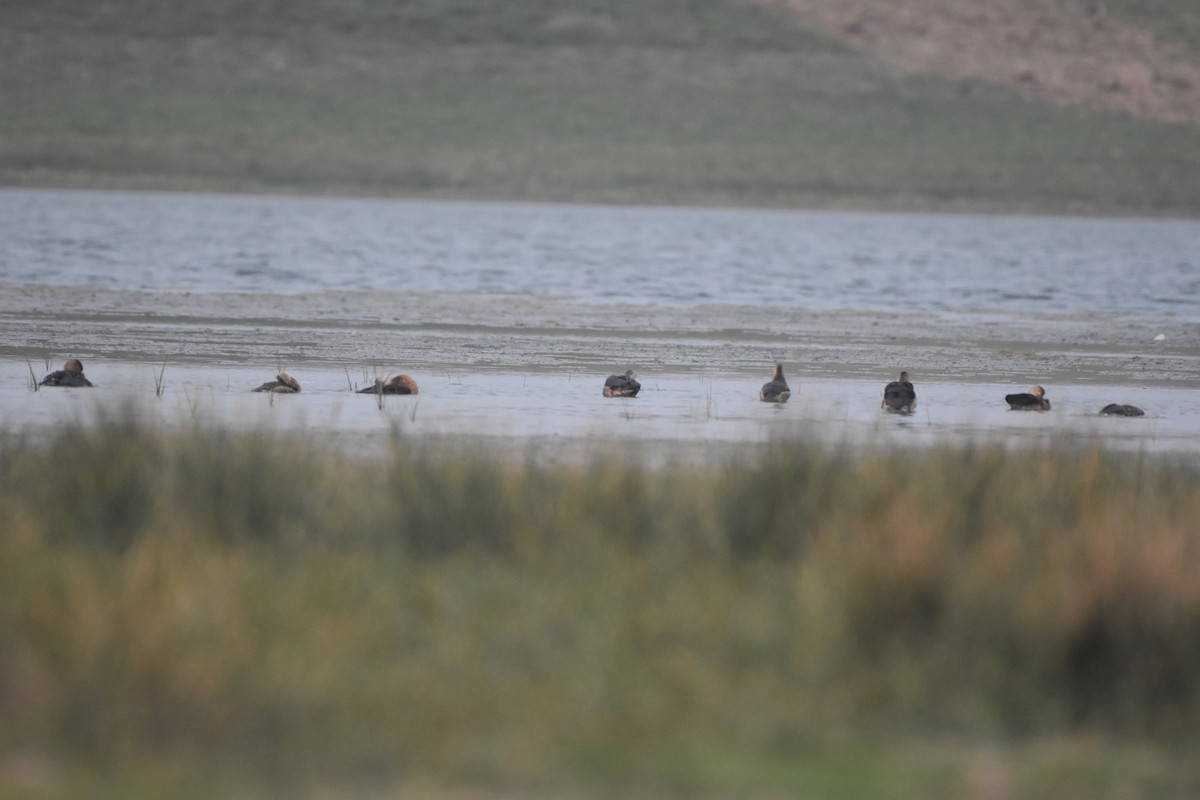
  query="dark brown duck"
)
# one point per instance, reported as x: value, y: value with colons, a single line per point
x: 70, y: 375
x: 899, y: 396
x: 622, y: 385
x: 775, y: 390
x: 1033, y: 400
x: 1121, y: 410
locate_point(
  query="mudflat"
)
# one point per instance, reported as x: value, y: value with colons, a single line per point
x: 436, y: 332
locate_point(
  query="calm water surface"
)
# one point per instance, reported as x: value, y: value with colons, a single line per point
x: 689, y: 418
x: 224, y: 243
x: 601, y: 255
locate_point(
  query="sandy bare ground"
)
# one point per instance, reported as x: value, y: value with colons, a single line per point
x: 1070, y: 53
x: 514, y: 333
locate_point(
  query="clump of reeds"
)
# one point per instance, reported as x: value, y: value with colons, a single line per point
x: 160, y: 382
x: 249, y: 601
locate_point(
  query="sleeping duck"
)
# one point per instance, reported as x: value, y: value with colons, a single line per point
x: 283, y: 384
x: 70, y: 375
x: 775, y: 390
x: 400, y: 384
x: 899, y: 396
x: 1033, y: 400
x: 1119, y: 410
x: 622, y: 385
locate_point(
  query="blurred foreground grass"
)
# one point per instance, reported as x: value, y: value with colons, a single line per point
x: 209, y: 614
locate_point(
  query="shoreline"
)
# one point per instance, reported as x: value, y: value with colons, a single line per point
x: 897, y: 202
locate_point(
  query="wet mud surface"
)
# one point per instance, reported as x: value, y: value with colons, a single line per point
x: 437, y: 332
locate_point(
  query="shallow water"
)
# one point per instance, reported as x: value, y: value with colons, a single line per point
x: 676, y: 417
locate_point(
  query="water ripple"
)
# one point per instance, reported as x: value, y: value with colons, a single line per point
x: 227, y: 243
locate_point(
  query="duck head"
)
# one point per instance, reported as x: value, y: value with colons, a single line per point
x: 288, y: 381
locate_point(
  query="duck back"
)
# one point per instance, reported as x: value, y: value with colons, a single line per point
x: 400, y: 384
x: 775, y: 390
x: 900, y: 397
x: 283, y: 384
x: 622, y: 385
x: 63, y: 378
x: 1121, y: 410
x: 1026, y: 402
x: 71, y: 375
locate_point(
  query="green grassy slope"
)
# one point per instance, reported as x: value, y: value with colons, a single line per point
x: 1176, y: 23
x: 673, y: 101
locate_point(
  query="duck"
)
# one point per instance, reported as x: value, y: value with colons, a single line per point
x: 1033, y: 400
x: 622, y: 385
x: 283, y: 384
x: 400, y: 384
x: 70, y: 375
x: 899, y: 396
x: 1121, y: 410
x: 775, y: 390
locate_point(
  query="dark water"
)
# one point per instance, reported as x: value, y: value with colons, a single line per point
x: 224, y: 243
